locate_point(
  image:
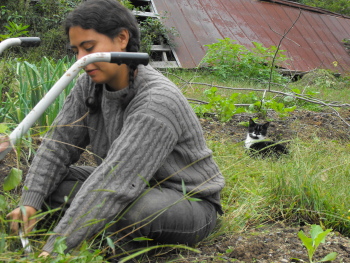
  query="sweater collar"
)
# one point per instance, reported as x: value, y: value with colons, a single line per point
x: 115, y: 95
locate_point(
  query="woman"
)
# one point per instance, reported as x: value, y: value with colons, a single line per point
x: 146, y: 138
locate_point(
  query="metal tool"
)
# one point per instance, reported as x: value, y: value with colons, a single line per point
x: 25, y: 242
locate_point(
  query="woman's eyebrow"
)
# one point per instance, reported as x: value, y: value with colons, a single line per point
x: 83, y: 43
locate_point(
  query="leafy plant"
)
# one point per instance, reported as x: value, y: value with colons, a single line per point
x: 223, y: 107
x: 15, y: 30
x: 127, y: 4
x: 231, y: 60
x: 153, y: 32
x: 339, y: 6
x: 311, y: 243
x: 85, y: 255
x: 13, y: 179
x: 262, y: 106
x: 45, y: 18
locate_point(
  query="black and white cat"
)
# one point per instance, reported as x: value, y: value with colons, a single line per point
x: 257, y: 143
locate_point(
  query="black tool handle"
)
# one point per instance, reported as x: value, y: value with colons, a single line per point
x: 30, y: 41
x: 129, y: 58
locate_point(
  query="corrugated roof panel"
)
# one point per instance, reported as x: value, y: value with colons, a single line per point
x: 229, y: 26
x: 279, y: 30
x: 314, y: 41
x: 337, y: 30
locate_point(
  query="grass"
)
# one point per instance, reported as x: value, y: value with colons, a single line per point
x: 302, y: 187
x: 310, y: 185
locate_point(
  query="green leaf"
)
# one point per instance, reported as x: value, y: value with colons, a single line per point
x: 111, y: 243
x: 307, y: 242
x: 3, y: 204
x: 60, y: 245
x: 194, y: 199
x: 297, y: 91
x: 142, y: 239
x: 321, y: 238
x: 2, y: 242
x: 13, y: 179
x: 3, y: 127
x: 330, y: 257
x: 315, y: 231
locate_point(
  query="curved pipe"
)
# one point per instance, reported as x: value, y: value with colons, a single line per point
x: 112, y: 57
x: 19, y: 41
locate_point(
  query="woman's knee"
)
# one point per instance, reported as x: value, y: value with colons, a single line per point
x: 166, y: 216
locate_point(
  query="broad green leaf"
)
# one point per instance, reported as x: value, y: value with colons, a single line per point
x: 3, y: 127
x: 297, y: 91
x: 321, y: 238
x: 307, y: 242
x: 13, y: 179
x: 330, y: 257
x: 60, y: 245
x: 315, y: 231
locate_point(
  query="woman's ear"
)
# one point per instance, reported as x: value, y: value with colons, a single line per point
x: 123, y: 39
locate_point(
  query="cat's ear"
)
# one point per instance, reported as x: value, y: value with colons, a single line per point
x: 266, y: 125
x: 251, y: 122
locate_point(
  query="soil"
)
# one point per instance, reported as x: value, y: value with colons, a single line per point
x: 272, y: 243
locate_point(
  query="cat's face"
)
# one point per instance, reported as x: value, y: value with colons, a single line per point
x: 257, y: 131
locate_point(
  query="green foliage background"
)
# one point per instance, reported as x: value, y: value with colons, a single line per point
x: 337, y: 6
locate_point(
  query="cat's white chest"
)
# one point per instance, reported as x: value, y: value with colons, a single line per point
x: 249, y: 140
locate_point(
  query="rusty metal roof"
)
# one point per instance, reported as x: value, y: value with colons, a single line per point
x: 315, y: 41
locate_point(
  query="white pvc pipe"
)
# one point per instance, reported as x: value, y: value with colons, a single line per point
x: 8, y: 43
x: 19, y: 41
x: 62, y: 83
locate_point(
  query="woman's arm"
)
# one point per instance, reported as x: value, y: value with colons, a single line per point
x: 132, y: 160
x: 61, y: 146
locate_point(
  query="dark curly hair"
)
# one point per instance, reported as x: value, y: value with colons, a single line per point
x: 107, y: 17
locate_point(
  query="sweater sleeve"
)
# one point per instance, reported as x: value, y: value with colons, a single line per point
x: 132, y: 160
x: 61, y: 147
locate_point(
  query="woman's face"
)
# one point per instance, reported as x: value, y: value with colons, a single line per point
x: 88, y: 41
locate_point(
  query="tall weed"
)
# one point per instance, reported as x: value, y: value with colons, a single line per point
x: 34, y: 81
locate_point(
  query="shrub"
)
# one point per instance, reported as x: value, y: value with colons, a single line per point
x: 231, y: 60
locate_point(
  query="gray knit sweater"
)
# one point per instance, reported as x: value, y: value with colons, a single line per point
x: 157, y: 137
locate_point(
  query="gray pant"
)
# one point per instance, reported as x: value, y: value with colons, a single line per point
x: 161, y: 214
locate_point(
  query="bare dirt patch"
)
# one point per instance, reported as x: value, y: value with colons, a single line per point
x: 275, y: 243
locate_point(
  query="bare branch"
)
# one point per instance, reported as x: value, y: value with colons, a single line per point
x: 293, y: 94
x: 279, y: 45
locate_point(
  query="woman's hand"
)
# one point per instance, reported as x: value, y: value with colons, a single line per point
x: 4, y: 143
x: 44, y: 254
x: 26, y: 216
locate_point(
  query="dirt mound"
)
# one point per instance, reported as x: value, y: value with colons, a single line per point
x: 301, y: 124
x: 275, y: 243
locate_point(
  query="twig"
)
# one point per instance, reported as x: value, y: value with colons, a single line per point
x: 279, y: 45
x: 295, y: 95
